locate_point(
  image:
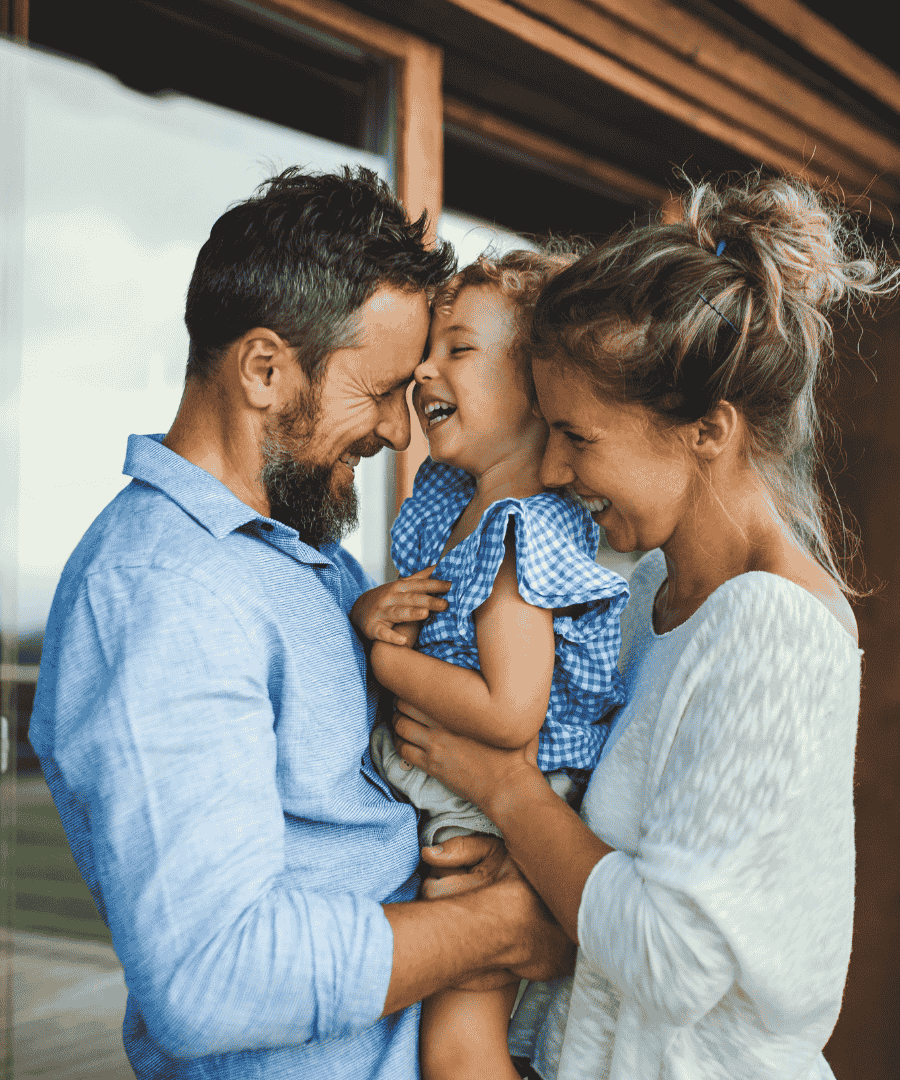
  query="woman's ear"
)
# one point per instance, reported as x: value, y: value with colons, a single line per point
x: 266, y: 368
x: 717, y: 431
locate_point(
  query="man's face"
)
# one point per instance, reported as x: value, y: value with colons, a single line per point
x: 313, y: 444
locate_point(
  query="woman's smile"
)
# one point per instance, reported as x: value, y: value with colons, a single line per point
x: 632, y: 477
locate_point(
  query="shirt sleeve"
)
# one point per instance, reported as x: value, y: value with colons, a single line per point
x: 744, y: 869
x: 170, y: 761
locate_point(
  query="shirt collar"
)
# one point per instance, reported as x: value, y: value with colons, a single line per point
x: 207, y: 499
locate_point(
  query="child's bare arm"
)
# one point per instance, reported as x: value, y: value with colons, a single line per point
x: 505, y: 703
x: 393, y: 612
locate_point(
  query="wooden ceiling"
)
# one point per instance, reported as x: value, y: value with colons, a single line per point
x: 671, y: 59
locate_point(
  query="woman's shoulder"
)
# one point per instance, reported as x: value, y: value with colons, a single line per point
x: 769, y: 608
x: 801, y: 570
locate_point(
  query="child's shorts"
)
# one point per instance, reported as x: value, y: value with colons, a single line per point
x: 448, y: 814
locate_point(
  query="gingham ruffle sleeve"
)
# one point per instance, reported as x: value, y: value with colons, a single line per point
x: 555, y: 543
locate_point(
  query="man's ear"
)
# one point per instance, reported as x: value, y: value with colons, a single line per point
x: 716, y: 431
x: 267, y: 369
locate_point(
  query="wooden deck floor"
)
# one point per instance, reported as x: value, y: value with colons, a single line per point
x: 69, y: 1002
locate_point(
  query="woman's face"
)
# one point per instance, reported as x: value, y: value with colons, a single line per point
x: 636, y: 480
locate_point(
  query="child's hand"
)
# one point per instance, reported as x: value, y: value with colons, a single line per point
x: 379, y: 613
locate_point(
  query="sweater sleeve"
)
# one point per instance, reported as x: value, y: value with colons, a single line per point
x: 744, y: 868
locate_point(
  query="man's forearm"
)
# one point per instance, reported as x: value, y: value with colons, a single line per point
x: 440, y: 943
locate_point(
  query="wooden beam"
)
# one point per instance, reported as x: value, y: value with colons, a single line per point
x: 14, y: 18
x: 375, y: 38
x: 826, y: 42
x: 798, y: 160
x: 704, y: 46
x: 634, y: 189
x: 420, y: 182
x: 690, y: 80
x: 420, y: 142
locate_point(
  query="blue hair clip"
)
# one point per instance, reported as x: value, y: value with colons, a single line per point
x: 720, y: 247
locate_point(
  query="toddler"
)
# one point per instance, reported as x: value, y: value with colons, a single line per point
x: 527, y: 639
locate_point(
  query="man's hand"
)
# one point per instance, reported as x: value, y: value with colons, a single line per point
x: 480, y: 937
x: 393, y: 611
x: 473, y: 862
x: 462, y: 864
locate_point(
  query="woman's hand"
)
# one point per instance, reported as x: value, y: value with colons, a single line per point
x: 392, y: 612
x: 479, y: 773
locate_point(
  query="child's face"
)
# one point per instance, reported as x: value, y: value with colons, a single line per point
x: 469, y: 396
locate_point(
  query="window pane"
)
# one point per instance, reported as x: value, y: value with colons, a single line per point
x: 121, y: 190
x: 472, y: 236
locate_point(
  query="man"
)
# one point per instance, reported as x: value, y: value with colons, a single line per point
x: 203, y: 710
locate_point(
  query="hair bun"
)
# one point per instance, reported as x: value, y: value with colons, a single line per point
x: 800, y: 245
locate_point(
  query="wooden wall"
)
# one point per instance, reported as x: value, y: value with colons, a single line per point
x: 866, y: 1041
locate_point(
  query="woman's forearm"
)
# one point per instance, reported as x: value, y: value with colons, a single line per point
x: 549, y: 842
x: 458, y: 698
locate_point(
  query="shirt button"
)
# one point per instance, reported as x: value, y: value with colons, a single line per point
x: 266, y: 526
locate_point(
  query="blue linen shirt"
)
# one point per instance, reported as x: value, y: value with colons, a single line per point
x: 202, y: 717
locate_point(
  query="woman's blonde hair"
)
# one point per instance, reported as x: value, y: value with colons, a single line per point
x: 728, y: 304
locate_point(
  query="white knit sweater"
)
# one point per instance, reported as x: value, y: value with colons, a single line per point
x: 715, y: 939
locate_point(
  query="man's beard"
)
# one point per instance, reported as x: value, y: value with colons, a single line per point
x: 303, y: 494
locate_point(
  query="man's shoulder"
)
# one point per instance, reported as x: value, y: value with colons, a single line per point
x: 142, y: 528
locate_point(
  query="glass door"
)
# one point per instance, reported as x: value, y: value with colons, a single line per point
x: 113, y: 192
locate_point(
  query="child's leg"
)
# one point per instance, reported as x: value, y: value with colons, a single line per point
x: 463, y: 1035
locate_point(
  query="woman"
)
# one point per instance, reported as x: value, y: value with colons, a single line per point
x: 709, y: 880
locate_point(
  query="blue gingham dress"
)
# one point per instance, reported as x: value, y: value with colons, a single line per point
x: 556, y: 540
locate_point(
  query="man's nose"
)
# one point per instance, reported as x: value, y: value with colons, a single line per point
x: 555, y: 470
x: 393, y: 427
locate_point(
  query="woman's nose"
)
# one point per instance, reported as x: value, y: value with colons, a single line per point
x: 555, y: 470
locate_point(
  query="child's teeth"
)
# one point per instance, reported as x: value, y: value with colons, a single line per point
x: 437, y: 411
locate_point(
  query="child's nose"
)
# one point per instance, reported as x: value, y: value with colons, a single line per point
x: 425, y: 370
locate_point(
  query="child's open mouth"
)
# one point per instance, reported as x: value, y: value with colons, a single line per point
x: 437, y: 411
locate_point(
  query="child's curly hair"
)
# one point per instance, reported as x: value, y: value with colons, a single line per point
x: 519, y: 276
